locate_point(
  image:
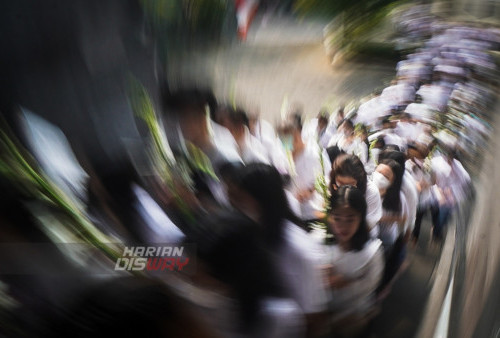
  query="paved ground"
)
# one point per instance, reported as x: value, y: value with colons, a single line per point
x: 285, y: 58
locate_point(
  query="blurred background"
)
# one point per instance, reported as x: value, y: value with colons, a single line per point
x: 82, y: 65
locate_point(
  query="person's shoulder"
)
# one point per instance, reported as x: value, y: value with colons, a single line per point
x: 371, y: 189
x: 373, y: 243
x: 298, y: 238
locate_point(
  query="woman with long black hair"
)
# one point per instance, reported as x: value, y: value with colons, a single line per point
x: 348, y: 169
x: 357, y: 263
x: 388, y: 177
x: 257, y: 192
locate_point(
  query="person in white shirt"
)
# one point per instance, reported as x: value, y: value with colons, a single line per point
x: 319, y: 129
x: 350, y: 143
x: 310, y: 164
x: 452, y: 182
x: 264, y: 132
x: 421, y: 173
x: 248, y: 146
x: 258, y: 193
x: 388, y: 177
x: 355, y: 263
x: 190, y: 107
x: 348, y: 170
x: 408, y: 188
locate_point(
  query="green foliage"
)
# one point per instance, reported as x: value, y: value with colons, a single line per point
x: 174, y: 172
x: 18, y: 167
x: 354, y: 22
x: 195, y: 16
x: 322, y: 187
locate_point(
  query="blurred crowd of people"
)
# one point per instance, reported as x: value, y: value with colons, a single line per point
x: 300, y: 228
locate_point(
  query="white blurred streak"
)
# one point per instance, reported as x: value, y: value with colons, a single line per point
x: 55, y: 156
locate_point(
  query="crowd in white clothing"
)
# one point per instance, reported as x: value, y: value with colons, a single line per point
x: 366, y: 177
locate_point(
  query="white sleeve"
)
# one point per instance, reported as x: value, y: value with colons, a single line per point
x: 281, y: 317
x: 158, y: 226
x: 374, y: 205
x: 300, y: 268
x: 411, y: 195
x: 363, y: 151
x: 405, y: 212
x: 371, y: 276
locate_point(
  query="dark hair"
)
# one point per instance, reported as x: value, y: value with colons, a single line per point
x: 391, y: 147
x: 238, y: 117
x: 263, y: 182
x: 333, y: 152
x: 380, y: 142
x: 193, y: 99
x: 392, y: 198
x: 349, y: 165
x: 222, y: 110
x: 393, y: 154
x: 323, y: 116
x: 296, y: 120
x: 354, y: 198
x: 348, y: 123
x: 239, y: 258
x: 412, y: 145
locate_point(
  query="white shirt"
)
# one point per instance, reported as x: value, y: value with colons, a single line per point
x: 373, y: 203
x: 422, y: 176
x: 421, y: 111
x: 158, y: 226
x: 298, y: 262
x: 365, y: 268
x: 276, y: 154
x: 409, y: 189
x: 280, y: 318
x: 356, y: 147
x: 293, y: 203
x: 252, y: 150
x: 399, y: 94
x: 390, y: 231
x: 450, y: 176
x: 263, y: 130
x: 53, y: 152
x: 307, y: 170
x: 224, y: 142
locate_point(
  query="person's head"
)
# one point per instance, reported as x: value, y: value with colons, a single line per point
x: 347, y: 217
x: 416, y: 151
x: 291, y: 135
x: 392, y: 152
x: 347, y: 127
x: 340, y: 114
x: 235, y: 121
x: 388, y: 177
x: 190, y: 106
x: 406, y: 117
x: 387, y: 123
x: 253, y: 118
x: 221, y: 112
x: 323, y: 119
x: 258, y: 192
x: 334, y: 152
x: 348, y: 170
x: 377, y: 147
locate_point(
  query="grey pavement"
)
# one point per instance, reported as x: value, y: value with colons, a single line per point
x: 283, y: 59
